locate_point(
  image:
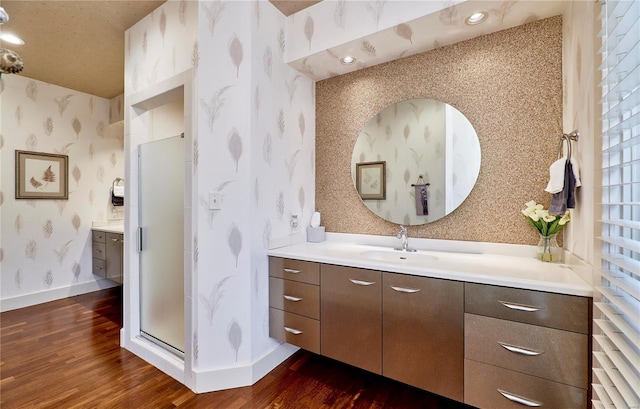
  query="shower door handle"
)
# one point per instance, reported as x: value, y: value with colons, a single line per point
x: 140, y: 239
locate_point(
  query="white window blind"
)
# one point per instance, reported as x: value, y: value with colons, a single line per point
x: 616, y: 357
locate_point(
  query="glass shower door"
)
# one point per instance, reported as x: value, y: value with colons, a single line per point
x: 161, y: 215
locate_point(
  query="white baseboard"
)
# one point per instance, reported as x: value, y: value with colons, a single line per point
x: 228, y: 378
x: 27, y: 300
x: 155, y: 355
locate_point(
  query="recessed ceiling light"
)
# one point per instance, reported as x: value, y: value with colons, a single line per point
x: 347, y: 60
x: 10, y: 38
x: 477, y: 18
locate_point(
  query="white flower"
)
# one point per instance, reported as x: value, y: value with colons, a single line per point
x: 566, y: 218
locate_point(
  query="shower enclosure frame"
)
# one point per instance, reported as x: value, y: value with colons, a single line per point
x: 136, y: 132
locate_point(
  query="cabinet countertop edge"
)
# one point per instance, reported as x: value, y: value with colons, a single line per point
x: 117, y: 228
x: 508, y: 271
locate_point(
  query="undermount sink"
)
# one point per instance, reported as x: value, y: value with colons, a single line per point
x: 391, y: 256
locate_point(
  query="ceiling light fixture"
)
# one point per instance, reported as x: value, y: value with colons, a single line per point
x: 346, y: 60
x: 11, y: 38
x: 4, y: 17
x: 477, y: 18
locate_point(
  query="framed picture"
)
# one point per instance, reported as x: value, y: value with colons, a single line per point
x: 370, y: 180
x: 41, y: 175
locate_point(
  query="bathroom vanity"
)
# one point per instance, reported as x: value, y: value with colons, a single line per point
x: 107, y: 249
x: 492, y: 331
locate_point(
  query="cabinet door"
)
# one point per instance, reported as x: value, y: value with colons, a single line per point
x: 423, y: 333
x: 114, y: 257
x: 350, y: 316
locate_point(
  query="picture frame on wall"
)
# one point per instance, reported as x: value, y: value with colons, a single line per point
x: 42, y: 176
x: 371, y: 180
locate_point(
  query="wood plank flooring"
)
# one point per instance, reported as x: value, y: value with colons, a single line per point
x: 66, y: 354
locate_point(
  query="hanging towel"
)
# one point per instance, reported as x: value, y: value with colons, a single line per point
x: 576, y: 171
x: 422, y: 196
x: 556, y: 176
x: 116, y: 200
x: 118, y: 191
x: 565, y: 199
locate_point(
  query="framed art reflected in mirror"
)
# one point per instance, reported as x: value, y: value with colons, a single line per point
x: 370, y: 180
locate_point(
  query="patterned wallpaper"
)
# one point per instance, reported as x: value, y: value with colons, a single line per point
x: 253, y: 143
x: 256, y: 137
x: 378, y: 31
x: 46, y: 244
x: 489, y: 80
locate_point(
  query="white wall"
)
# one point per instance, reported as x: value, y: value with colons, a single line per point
x: 579, y: 71
x: 267, y: 109
x: 253, y: 142
x: 37, y: 116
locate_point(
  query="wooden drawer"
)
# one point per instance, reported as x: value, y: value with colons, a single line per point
x: 296, y: 297
x: 566, y: 312
x: 98, y: 236
x: 483, y: 383
x: 98, y: 250
x: 114, y: 237
x: 295, y: 329
x: 296, y: 270
x: 553, y: 354
x: 99, y: 267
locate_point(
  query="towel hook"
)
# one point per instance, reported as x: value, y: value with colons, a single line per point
x: 420, y: 178
x: 568, y: 137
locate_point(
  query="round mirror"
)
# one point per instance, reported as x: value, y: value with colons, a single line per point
x: 416, y: 161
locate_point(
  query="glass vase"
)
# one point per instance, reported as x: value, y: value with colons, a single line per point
x: 548, y: 249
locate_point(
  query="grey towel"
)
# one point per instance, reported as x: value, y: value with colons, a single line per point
x: 565, y: 199
x: 422, y: 196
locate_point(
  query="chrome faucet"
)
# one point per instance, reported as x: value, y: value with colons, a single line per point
x: 402, y: 235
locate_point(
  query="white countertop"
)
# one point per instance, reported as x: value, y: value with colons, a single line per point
x: 110, y: 228
x: 496, y: 269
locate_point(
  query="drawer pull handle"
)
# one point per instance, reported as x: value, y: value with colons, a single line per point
x: 290, y: 298
x: 114, y: 240
x: 358, y: 282
x: 405, y: 290
x: 290, y: 270
x: 99, y: 251
x: 293, y: 331
x: 520, y: 307
x: 519, y: 350
x: 519, y: 399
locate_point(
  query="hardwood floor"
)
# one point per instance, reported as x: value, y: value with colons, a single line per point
x: 66, y: 354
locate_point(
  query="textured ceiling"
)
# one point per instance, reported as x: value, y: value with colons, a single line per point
x: 80, y: 44
x: 75, y: 44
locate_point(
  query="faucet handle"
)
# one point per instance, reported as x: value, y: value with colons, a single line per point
x: 402, y: 232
